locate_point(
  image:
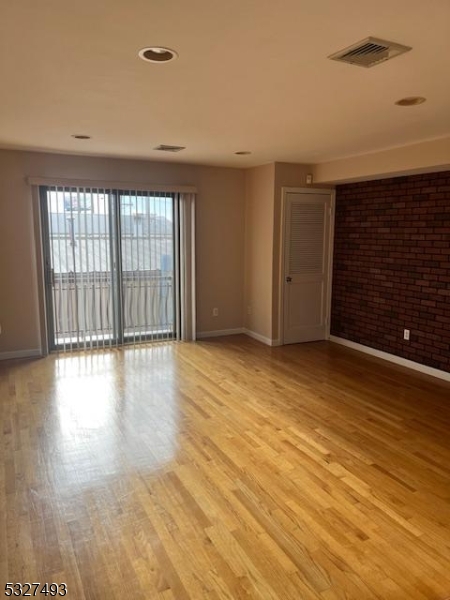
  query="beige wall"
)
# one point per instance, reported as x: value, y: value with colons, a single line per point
x: 219, y: 223
x: 18, y: 283
x: 423, y: 157
x: 229, y: 200
x: 262, y: 242
x: 259, y: 216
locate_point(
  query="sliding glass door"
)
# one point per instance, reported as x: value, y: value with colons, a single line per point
x: 147, y: 259
x: 110, y: 267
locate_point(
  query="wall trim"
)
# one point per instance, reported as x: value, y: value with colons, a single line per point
x: 117, y: 185
x: 261, y: 338
x: 36, y: 352
x: 201, y: 335
x: 218, y: 333
x: 398, y: 360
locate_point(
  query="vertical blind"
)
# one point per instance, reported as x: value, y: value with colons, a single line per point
x: 116, y: 264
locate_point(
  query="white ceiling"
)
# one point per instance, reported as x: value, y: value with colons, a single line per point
x: 251, y: 75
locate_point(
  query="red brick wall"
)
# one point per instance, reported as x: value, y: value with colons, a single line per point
x: 392, y: 266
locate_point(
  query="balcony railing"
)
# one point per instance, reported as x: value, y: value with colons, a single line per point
x: 83, y: 306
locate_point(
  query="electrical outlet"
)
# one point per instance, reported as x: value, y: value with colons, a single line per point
x: 215, y: 312
x: 406, y: 334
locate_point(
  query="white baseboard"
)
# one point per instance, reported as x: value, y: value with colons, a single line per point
x: 21, y: 354
x: 262, y: 338
x: 398, y: 360
x: 218, y: 333
x: 201, y: 335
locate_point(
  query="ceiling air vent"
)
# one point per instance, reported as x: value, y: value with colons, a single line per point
x: 369, y: 52
x: 166, y: 148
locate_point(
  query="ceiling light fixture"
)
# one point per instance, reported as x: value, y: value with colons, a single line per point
x: 411, y: 101
x: 157, y: 54
x: 243, y: 152
x: 79, y: 136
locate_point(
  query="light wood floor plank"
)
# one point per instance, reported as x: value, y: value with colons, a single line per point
x: 225, y: 470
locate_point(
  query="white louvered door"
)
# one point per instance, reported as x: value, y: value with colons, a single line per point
x: 306, y: 266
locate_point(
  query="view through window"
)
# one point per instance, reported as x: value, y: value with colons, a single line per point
x: 110, y: 266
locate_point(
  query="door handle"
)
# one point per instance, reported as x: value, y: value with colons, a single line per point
x: 288, y: 279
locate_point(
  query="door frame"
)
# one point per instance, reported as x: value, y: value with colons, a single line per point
x: 300, y: 190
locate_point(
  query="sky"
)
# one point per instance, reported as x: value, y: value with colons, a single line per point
x: 60, y: 202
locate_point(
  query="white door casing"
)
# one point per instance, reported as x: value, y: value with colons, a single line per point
x: 306, y: 267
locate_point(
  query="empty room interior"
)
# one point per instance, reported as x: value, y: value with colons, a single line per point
x: 225, y: 300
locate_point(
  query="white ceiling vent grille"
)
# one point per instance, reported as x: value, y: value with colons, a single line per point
x: 166, y: 148
x: 369, y: 52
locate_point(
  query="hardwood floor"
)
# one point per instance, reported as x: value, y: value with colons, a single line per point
x: 225, y: 469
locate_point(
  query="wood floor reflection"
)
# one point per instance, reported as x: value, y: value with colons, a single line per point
x: 225, y: 469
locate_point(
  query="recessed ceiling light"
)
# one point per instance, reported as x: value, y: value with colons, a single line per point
x: 157, y: 54
x: 243, y: 152
x: 79, y: 136
x: 411, y: 101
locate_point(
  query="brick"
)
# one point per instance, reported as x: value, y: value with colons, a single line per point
x: 392, y: 268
